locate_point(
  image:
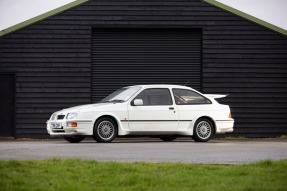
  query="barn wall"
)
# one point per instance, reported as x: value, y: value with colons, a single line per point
x: 52, y: 60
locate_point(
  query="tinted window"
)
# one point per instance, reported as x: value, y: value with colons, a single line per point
x: 156, y: 96
x: 187, y: 97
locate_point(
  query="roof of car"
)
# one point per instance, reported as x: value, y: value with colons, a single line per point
x: 163, y: 86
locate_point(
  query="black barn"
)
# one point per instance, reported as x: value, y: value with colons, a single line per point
x: 83, y: 53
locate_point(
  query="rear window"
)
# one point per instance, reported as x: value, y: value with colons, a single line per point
x: 188, y: 97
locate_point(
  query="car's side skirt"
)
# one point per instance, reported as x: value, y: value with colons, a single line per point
x: 155, y: 120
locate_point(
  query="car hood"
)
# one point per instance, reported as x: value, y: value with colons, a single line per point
x: 85, y: 107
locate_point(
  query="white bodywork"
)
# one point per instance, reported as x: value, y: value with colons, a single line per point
x: 144, y: 120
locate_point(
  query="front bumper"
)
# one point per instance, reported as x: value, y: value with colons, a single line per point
x: 224, y: 126
x: 84, y: 127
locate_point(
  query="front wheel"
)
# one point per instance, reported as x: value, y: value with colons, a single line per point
x: 74, y: 139
x: 203, y: 130
x: 105, y: 130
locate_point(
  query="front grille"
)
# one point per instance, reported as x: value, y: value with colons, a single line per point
x: 60, y: 116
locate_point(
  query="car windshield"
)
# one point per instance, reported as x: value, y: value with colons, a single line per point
x: 122, y: 94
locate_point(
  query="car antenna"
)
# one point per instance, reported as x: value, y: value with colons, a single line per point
x: 186, y: 82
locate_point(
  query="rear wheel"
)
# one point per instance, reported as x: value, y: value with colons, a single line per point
x: 74, y: 139
x: 168, y: 138
x: 203, y: 130
x: 105, y: 130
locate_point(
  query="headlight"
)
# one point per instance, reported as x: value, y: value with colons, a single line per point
x: 53, y: 117
x: 72, y: 115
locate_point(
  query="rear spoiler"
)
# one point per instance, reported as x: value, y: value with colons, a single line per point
x: 215, y: 96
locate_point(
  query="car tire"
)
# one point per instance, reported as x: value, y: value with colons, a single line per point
x: 168, y: 138
x: 203, y: 130
x: 76, y: 139
x: 105, y: 130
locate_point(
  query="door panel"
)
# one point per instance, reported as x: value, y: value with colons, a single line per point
x: 6, y: 105
x: 152, y: 118
x: 157, y: 112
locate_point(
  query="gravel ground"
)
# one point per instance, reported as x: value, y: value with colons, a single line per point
x: 182, y: 150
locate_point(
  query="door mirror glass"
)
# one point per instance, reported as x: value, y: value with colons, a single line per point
x: 138, y: 102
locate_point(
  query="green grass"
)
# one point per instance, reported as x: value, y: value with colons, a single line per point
x: 77, y: 174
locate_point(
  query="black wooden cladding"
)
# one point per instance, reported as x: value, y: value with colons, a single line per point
x: 123, y: 57
x: 52, y: 60
x: 6, y: 105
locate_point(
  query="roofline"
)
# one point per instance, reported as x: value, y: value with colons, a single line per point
x: 162, y: 85
x: 247, y: 16
x: 41, y: 17
x: 78, y: 2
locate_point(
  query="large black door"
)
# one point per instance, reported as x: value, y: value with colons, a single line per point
x: 122, y: 57
x: 6, y: 105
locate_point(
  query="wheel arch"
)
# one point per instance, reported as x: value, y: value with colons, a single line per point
x: 210, y: 119
x: 114, y: 118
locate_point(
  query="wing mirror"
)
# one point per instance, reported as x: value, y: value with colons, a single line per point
x: 138, y: 102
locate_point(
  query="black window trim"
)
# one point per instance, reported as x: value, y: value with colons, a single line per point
x: 191, y: 103
x: 132, y: 102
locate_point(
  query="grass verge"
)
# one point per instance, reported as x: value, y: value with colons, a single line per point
x: 77, y: 174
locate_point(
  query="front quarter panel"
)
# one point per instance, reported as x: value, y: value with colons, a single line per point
x: 118, y: 116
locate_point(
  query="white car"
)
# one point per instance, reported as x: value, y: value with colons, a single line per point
x: 164, y: 111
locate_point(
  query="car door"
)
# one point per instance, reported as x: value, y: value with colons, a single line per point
x: 157, y: 112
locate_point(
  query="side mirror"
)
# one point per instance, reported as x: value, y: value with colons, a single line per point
x: 138, y: 102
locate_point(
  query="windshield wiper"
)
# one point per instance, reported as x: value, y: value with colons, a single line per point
x: 117, y: 100
x: 112, y: 101
x: 108, y: 101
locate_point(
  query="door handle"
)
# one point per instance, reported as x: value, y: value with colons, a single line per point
x: 171, y: 108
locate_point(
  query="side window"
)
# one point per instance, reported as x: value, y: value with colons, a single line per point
x: 188, y: 97
x: 155, y: 96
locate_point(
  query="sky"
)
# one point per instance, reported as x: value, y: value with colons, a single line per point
x: 272, y: 11
x: 13, y: 12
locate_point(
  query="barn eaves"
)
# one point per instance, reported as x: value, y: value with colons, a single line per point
x: 41, y: 17
x: 247, y: 16
x: 78, y: 2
